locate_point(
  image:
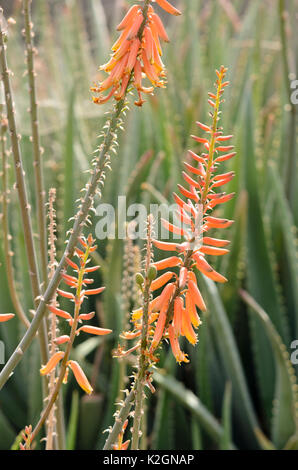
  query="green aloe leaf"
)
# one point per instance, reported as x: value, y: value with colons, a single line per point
x: 231, y: 360
x: 188, y: 399
x: 285, y: 415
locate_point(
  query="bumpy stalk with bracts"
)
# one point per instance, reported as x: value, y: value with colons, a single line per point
x: 100, y: 164
x: 8, y: 253
x: 37, y: 151
x: 80, y: 283
x: 143, y: 362
x: 22, y: 193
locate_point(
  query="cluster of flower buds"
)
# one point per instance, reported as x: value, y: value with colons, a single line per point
x: 174, y: 312
x: 26, y: 435
x: 120, y: 444
x: 5, y: 317
x: 136, y: 53
x: 79, y: 282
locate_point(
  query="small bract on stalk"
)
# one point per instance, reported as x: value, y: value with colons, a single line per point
x: 136, y: 54
x: 80, y: 283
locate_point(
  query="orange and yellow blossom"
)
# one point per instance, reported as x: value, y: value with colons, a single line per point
x: 79, y: 282
x: 136, y: 54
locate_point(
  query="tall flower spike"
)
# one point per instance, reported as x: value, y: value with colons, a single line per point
x: 177, y: 305
x: 136, y: 53
x: 78, y: 282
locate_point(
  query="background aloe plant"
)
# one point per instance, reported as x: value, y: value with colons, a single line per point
x: 239, y: 389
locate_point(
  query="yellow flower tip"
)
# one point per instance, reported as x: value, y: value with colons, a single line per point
x: 80, y: 376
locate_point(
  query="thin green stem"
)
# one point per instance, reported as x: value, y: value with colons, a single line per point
x: 143, y: 358
x: 22, y: 193
x: 39, y: 184
x: 120, y: 419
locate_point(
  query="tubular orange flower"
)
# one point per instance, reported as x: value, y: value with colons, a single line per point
x: 94, y: 330
x: 179, y: 355
x: 161, y: 280
x: 137, y: 51
x: 55, y: 359
x: 6, y: 316
x: 80, y: 376
x: 168, y: 7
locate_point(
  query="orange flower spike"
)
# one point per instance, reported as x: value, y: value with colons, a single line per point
x: 80, y: 376
x: 191, y: 310
x: 171, y: 262
x: 52, y: 363
x: 168, y: 7
x: 6, y: 316
x: 177, y: 319
x: 129, y: 18
x: 94, y: 330
x: 161, y: 280
x: 178, y: 354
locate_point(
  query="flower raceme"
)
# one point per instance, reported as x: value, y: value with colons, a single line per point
x: 181, y: 298
x: 136, y: 53
x: 174, y: 312
x: 80, y: 283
